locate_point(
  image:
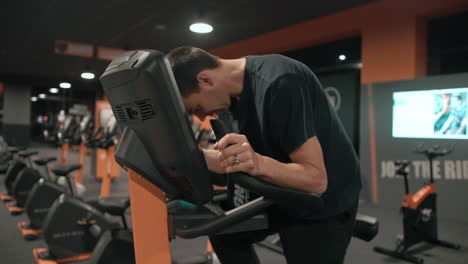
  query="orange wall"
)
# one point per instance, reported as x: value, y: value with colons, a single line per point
x: 393, y: 36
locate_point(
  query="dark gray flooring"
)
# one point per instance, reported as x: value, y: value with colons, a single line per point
x: 14, y: 250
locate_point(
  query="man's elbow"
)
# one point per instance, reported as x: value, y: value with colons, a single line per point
x: 322, y: 185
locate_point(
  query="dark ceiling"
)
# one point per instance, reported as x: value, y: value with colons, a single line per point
x: 28, y: 29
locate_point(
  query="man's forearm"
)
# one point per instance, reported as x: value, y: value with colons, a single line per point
x: 307, y: 178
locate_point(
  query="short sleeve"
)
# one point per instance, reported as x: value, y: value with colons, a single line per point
x: 290, y: 112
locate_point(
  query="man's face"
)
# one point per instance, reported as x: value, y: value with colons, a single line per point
x: 208, y: 102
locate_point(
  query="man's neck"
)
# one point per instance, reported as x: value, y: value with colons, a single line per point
x: 234, y: 71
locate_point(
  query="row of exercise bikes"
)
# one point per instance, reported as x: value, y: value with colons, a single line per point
x: 73, y: 228
x: 97, y: 231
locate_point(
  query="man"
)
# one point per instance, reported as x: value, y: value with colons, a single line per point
x: 288, y: 135
x: 457, y: 119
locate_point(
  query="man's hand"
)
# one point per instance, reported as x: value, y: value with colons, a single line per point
x: 236, y: 154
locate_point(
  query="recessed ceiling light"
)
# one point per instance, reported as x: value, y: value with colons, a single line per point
x: 201, y: 28
x: 160, y: 27
x: 66, y: 85
x: 87, y: 75
x: 342, y: 57
x: 54, y: 90
x: 34, y: 98
x: 42, y: 96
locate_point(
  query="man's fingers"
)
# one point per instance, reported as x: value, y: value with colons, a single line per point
x: 230, y: 151
x: 229, y: 139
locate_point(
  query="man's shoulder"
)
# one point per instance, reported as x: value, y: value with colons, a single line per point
x: 273, y: 67
x: 274, y: 60
x: 272, y: 56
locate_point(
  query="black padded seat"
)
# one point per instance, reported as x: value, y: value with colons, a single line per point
x: 5, y: 157
x: 93, y: 143
x: 27, y: 153
x: 105, y: 144
x: 64, y: 170
x: 3, y: 168
x: 113, y: 205
x: 42, y: 161
x: 15, y: 149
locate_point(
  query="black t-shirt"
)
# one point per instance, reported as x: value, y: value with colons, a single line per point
x: 282, y: 105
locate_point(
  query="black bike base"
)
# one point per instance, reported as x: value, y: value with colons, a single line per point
x: 404, y: 255
x: 399, y: 255
x: 446, y: 244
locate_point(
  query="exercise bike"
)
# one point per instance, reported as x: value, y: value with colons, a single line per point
x: 20, y: 179
x: 419, y: 211
x: 46, y: 191
x: 78, y: 230
x: 42, y: 196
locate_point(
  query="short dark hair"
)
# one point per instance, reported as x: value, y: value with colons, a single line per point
x: 186, y: 63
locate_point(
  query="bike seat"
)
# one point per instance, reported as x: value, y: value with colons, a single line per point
x: 42, y: 161
x: 15, y: 149
x: 5, y: 157
x: 3, y: 168
x: 64, y: 170
x: 92, y: 144
x: 27, y: 153
x: 105, y: 144
x: 113, y: 205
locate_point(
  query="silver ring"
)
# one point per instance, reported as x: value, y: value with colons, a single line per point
x: 235, y: 159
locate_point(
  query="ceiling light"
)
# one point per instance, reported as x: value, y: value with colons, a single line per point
x: 160, y: 27
x: 201, y: 28
x: 34, y: 98
x: 87, y: 75
x: 342, y: 57
x: 42, y: 96
x: 54, y: 90
x: 66, y: 85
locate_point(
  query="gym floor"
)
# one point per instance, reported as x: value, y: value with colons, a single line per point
x: 14, y: 250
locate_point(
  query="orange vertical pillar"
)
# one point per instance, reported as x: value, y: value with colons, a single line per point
x: 115, y: 168
x: 393, y: 48
x: 64, y: 153
x: 101, y: 167
x: 150, y: 223
x: 101, y: 163
x: 81, y: 160
x: 106, y: 179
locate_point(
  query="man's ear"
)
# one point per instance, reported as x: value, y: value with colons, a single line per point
x: 204, y: 79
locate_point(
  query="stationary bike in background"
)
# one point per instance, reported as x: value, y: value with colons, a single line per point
x: 22, y: 175
x: 104, y: 141
x: 419, y: 211
x: 73, y: 228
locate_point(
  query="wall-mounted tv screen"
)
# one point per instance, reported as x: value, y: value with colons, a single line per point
x: 431, y: 114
